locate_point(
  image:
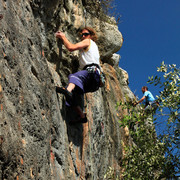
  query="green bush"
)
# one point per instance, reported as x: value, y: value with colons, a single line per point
x: 152, y: 156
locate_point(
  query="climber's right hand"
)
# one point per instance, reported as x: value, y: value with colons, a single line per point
x: 59, y: 34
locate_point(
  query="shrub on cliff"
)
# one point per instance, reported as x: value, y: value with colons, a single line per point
x: 103, y: 9
x: 152, y: 156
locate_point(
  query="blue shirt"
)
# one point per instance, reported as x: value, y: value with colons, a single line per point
x: 149, y: 96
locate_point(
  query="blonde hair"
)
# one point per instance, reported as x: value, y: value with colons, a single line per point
x: 92, y: 32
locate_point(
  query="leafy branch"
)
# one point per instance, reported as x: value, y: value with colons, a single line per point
x: 152, y: 156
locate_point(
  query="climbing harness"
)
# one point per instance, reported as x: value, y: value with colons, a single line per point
x: 102, y: 79
x: 92, y: 68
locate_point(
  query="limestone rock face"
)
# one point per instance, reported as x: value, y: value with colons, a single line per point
x: 36, y: 140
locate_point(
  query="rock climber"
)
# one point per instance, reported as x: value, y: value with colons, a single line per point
x: 88, y: 78
x: 150, y: 101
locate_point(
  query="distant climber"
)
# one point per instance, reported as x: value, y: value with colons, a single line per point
x: 150, y: 102
x: 88, y: 78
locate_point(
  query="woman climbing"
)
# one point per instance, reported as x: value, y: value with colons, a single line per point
x: 86, y: 80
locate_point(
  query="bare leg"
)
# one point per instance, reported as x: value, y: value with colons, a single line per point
x: 70, y: 87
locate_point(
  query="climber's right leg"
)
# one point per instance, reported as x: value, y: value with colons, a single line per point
x: 71, y: 87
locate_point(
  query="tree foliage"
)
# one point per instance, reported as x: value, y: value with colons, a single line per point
x: 152, y: 156
x: 145, y: 158
x: 169, y: 83
x: 102, y: 9
x: 98, y: 7
x: 107, y: 5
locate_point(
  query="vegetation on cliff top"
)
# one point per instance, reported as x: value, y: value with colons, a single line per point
x: 103, y: 9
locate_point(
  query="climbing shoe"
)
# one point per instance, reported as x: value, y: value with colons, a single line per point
x: 79, y: 120
x: 64, y: 91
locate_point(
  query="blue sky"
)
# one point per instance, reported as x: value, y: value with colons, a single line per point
x: 151, y: 32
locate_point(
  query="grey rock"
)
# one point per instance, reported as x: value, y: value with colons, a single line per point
x: 36, y: 140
